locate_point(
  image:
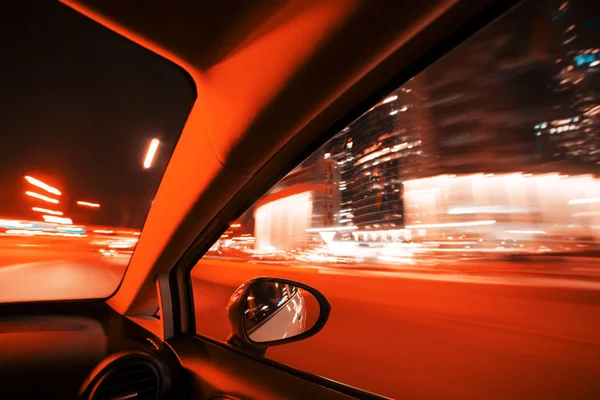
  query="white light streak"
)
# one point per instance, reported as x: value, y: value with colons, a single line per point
x: 57, y: 220
x: 452, y: 224
x: 88, y: 204
x: 42, y: 185
x: 151, y: 153
x: 389, y: 99
x: 41, y: 197
x: 589, y: 200
x: 45, y: 210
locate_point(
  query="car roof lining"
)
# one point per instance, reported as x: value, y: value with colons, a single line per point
x: 289, y: 94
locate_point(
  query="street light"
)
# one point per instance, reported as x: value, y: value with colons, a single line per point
x: 41, y: 197
x: 42, y: 185
x: 151, y: 153
x: 88, y: 204
x: 45, y: 210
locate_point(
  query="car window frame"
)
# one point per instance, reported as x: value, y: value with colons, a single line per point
x: 175, y: 288
x: 180, y: 285
x: 80, y: 12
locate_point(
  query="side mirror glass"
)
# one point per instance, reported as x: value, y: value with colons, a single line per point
x: 265, y: 312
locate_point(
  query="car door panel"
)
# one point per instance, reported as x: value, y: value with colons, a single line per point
x: 219, y: 372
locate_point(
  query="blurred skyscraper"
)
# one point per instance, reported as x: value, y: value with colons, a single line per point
x: 573, y: 137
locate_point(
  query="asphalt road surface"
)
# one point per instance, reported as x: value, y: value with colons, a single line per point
x: 424, y: 336
x: 33, y: 269
x: 404, y: 334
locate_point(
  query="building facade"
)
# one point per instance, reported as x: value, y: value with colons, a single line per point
x: 573, y: 137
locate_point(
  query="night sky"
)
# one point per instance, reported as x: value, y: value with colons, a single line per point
x: 79, y: 105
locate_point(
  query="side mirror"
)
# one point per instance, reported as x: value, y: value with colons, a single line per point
x: 267, y: 312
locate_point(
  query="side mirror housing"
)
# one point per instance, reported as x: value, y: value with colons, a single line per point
x: 266, y: 312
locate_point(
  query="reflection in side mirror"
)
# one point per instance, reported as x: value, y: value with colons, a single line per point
x: 270, y: 311
x: 276, y: 311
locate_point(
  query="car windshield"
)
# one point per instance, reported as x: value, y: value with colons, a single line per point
x: 89, y: 122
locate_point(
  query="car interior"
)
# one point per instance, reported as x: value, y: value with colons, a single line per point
x: 274, y: 80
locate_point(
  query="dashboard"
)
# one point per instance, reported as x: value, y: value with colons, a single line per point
x: 82, y: 350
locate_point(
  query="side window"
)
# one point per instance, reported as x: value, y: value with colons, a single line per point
x: 453, y: 227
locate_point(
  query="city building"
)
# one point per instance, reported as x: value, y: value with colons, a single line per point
x: 468, y: 115
x: 573, y: 137
x: 340, y: 151
x: 308, y: 197
x: 373, y: 156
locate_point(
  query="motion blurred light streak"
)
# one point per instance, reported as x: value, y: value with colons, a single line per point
x: 281, y: 224
x: 151, y: 153
x: 41, y: 197
x: 28, y: 232
x: 88, y: 204
x: 57, y: 220
x: 332, y: 229
x: 45, y: 210
x: 389, y: 99
x: 452, y: 224
x: 585, y: 201
x: 520, y: 203
x: 42, y: 185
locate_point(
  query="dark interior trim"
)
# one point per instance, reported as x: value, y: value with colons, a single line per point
x: 319, y: 380
x: 165, y: 302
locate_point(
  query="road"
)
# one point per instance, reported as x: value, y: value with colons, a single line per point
x: 424, y: 336
x: 34, y: 269
x: 404, y: 334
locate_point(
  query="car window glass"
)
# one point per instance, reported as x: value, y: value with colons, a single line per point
x: 454, y: 227
x: 89, y: 122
